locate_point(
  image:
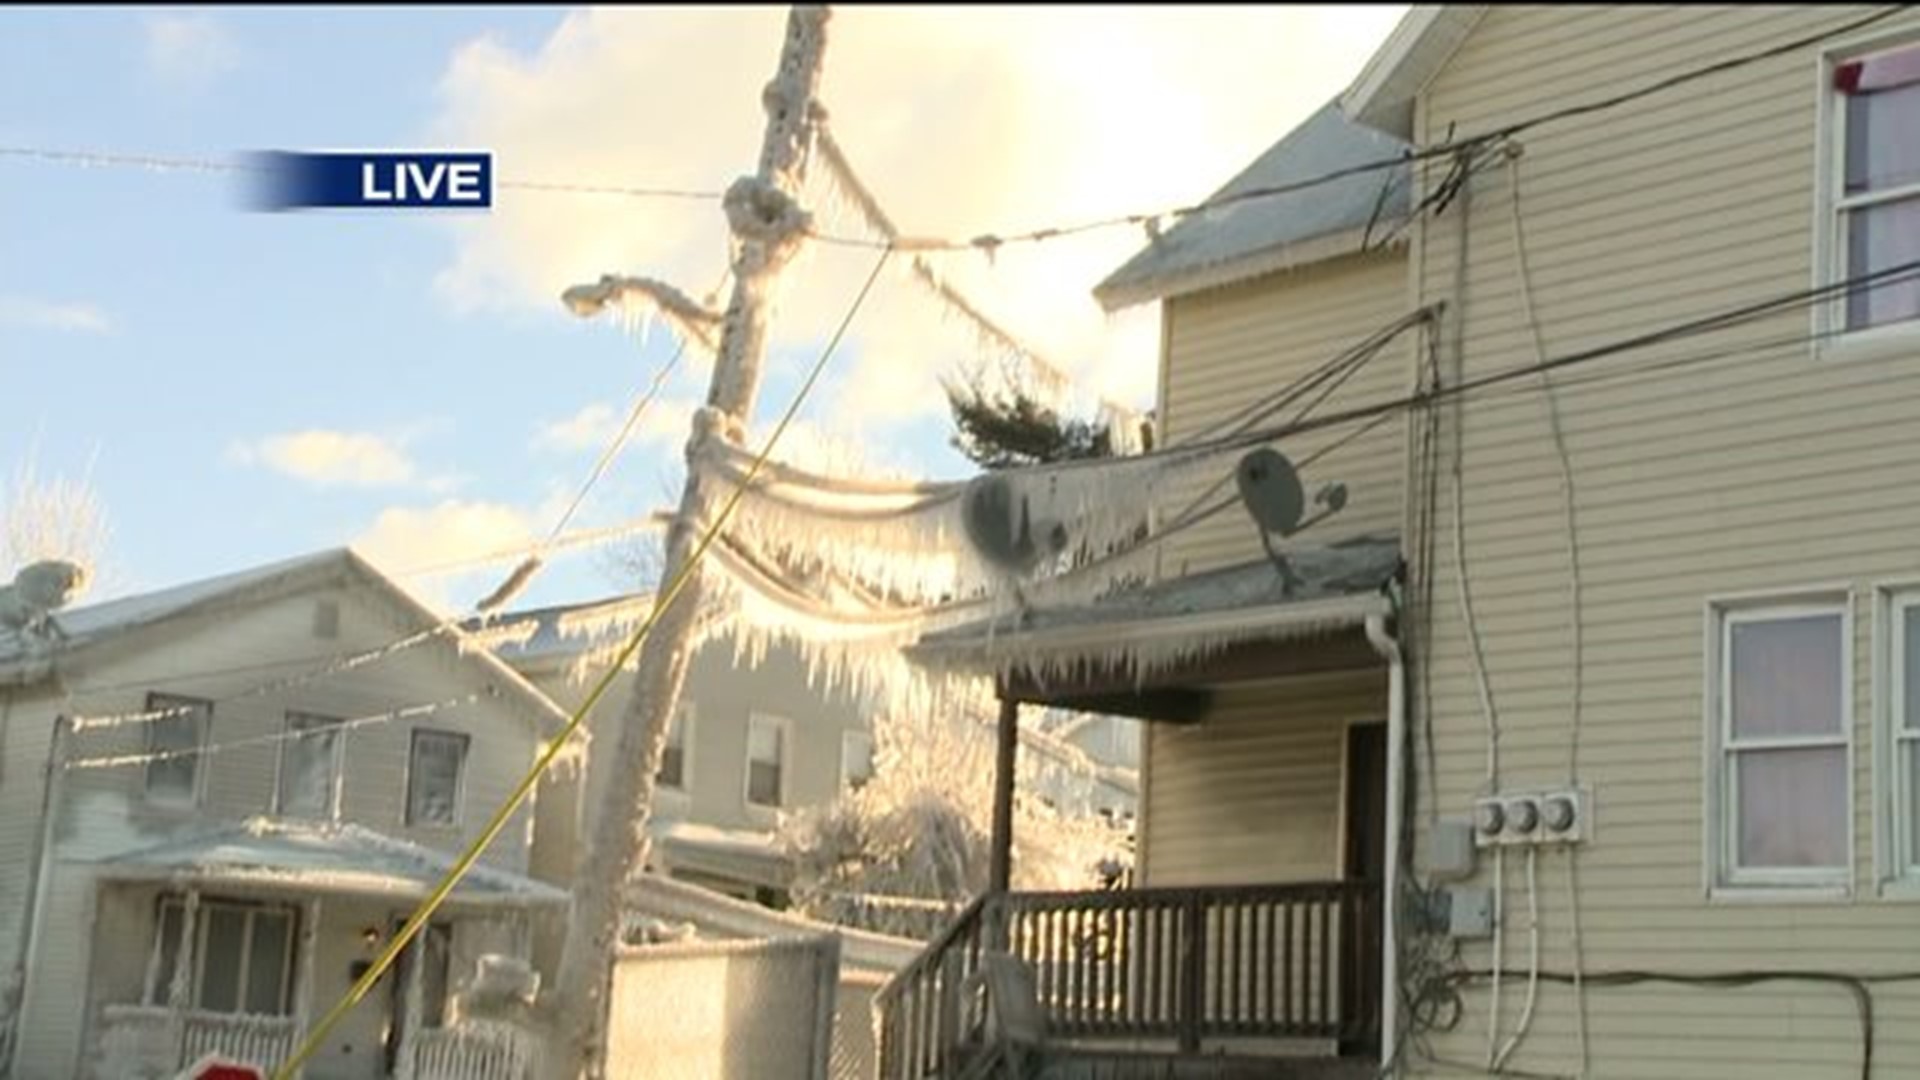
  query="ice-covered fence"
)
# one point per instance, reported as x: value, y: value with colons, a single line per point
x: 729, y: 1010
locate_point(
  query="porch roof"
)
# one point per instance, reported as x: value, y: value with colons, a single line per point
x: 1159, y: 629
x: 341, y: 860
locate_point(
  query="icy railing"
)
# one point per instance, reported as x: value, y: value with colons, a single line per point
x: 139, y: 1040
x: 475, y: 1050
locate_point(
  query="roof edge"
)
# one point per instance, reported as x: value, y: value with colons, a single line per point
x: 1259, y: 264
x: 1381, y: 96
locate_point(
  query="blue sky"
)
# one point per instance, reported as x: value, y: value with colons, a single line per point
x: 246, y: 387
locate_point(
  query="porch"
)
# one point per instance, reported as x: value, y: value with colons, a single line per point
x: 231, y: 943
x: 1259, y: 943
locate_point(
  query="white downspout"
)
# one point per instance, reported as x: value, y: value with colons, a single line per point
x: 1388, y: 647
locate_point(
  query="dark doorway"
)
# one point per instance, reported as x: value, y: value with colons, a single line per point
x: 1365, y: 859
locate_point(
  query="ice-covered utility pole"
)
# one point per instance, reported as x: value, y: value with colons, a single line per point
x: 769, y: 227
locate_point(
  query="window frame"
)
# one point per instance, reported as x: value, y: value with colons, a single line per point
x: 159, y: 992
x: 1724, y: 877
x: 847, y: 739
x: 684, y: 718
x: 1896, y: 780
x: 785, y: 727
x: 334, y: 795
x: 202, y: 712
x: 458, y: 812
x: 1831, y: 203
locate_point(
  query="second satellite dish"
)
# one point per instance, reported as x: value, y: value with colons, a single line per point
x: 999, y: 525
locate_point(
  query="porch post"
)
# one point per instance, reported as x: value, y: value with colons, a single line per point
x: 180, y: 991
x: 1000, y: 866
x: 415, y: 1008
x: 306, y: 960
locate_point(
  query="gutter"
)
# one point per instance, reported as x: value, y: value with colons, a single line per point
x: 1388, y: 647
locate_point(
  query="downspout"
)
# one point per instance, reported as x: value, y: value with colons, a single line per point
x: 1388, y: 647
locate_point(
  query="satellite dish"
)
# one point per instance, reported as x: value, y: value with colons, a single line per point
x: 1000, y: 527
x: 1270, y: 487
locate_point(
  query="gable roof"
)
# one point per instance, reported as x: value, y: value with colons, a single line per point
x: 1254, y: 236
x: 1381, y: 97
x: 21, y: 662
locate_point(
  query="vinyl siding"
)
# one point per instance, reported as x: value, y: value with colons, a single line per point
x: 1232, y: 345
x: 1252, y: 793
x: 1765, y: 467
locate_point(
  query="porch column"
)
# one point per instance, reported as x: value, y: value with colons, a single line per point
x: 306, y: 959
x: 1000, y: 865
x: 180, y: 991
x: 416, y: 992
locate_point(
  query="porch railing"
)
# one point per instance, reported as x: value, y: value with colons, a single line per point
x: 142, y: 1037
x: 1148, y: 965
x: 475, y: 1050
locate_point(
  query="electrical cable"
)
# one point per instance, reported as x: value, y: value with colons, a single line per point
x: 407, y: 712
x: 378, y: 968
x: 1533, y: 962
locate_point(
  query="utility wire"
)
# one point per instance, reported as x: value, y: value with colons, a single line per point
x: 468, y: 858
x: 408, y: 712
x: 990, y: 241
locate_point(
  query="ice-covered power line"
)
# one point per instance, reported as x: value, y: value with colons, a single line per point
x: 408, y: 712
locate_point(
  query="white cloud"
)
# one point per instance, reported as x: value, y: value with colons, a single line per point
x: 331, y: 458
x: 962, y: 121
x: 190, y: 50
x: 664, y: 425
x: 25, y: 311
x: 404, y: 539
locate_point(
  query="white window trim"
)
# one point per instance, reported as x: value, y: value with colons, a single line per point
x: 786, y: 763
x: 1723, y: 880
x: 199, y: 761
x: 846, y: 737
x: 334, y: 797
x: 1830, y: 336
x: 1896, y: 853
x: 459, y: 784
x: 687, y: 717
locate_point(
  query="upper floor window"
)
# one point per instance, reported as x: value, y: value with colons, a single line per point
x: 309, y: 784
x: 1779, y: 739
x: 175, y: 735
x: 766, y: 760
x: 676, y: 763
x: 856, y: 759
x: 435, y: 768
x: 1875, y: 180
x: 1900, y: 743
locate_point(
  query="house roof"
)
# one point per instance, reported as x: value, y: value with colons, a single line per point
x: 24, y: 661
x: 1255, y: 236
x: 1158, y: 626
x: 540, y: 636
x: 1381, y: 97
x: 348, y: 860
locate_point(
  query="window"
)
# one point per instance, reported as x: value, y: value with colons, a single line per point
x: 766, y: 760
x: 1874, y: 178
x: 179, y: 734
x: 1900, y: 742
x: 676, y: 760
x: 1780, y: 783
x: 242, y: 957
x: 856, y: 759
x: 310, y: 767
x: 434, y: 772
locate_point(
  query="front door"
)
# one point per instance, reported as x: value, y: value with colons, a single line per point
x: 436, y: 942
x: 1365, y: 859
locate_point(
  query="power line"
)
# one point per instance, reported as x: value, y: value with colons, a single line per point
x: 408, y: 712
x: 991, y: 241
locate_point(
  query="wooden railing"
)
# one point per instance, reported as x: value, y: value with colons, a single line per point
x: 1149, y: 965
